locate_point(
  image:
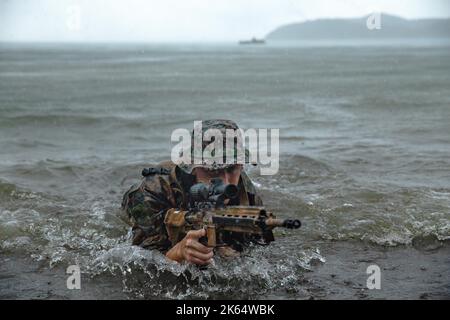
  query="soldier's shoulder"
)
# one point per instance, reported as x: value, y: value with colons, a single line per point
x: 150, y: 174
x: 158, y: 176
x: 153, y: 177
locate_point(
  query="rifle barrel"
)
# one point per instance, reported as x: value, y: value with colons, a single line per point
x: 284, y: 223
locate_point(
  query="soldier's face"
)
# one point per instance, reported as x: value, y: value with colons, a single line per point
x: 228, y: 176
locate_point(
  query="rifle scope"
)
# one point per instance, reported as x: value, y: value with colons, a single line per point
x: 213, y: 192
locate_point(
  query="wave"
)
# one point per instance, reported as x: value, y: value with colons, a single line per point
x: 15, y: 120
x: 148, y: 274
x: 335, y: 205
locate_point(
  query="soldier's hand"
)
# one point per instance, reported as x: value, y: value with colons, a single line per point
x: 191, y: 250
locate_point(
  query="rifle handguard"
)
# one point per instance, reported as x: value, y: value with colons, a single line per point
x: 287, y: 223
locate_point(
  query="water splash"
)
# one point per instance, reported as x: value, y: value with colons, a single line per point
x: 148, y: 274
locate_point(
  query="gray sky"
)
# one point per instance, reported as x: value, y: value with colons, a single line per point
x: 183, y: 20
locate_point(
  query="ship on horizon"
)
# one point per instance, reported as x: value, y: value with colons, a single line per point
x: 252, y: 41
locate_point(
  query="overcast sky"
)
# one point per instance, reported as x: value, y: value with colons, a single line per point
x: 183, y: 20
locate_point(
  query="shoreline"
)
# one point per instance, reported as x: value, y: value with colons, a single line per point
x: 406, y: 273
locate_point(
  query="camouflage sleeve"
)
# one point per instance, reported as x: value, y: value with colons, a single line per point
x: 145, y: 206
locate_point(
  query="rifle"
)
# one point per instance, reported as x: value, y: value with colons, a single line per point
x: 207, y: 210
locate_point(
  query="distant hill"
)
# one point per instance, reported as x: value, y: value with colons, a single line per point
x: 391, y: 27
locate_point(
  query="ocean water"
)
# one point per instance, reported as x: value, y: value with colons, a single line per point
x: 365, y: 164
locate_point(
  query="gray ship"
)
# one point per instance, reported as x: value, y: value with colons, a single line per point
x: 252, y: 41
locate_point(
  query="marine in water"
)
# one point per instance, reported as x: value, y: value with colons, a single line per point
x: 167, y: 186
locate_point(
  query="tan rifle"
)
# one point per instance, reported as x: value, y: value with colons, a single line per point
x: 208, y: 211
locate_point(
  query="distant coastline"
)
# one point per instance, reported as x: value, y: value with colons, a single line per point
x: 390, y: 27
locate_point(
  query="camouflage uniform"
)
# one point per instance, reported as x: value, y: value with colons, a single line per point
x: 166, y: 186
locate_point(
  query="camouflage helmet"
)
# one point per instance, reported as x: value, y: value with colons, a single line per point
x: 201, y: 158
